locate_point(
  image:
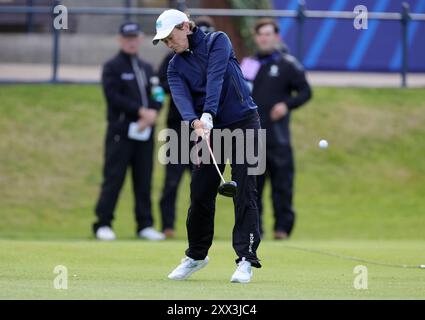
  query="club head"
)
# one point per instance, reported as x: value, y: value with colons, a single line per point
x: 228, y: 189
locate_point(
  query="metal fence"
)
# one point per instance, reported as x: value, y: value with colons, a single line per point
x: 404, y: 17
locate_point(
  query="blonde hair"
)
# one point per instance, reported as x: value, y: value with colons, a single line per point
x: 192, y: 25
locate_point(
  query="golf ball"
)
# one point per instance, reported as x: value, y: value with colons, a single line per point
x: 323, y: 144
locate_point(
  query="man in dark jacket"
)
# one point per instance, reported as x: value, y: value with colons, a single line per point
x: 131, y: 115
x: 279, y: 86
x: 174, y: 171
x: 209, y: 91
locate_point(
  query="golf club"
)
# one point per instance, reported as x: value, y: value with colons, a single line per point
x: 227, y: 189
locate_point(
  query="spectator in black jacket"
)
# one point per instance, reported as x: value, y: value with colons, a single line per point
x: 279, y: 86
x: 174, y: 172
x: 131, y: 115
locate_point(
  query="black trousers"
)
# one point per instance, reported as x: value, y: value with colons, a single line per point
x: 121, y: 153
x: 280, y: 169
x: 203, y: 193
x: 173, y: 175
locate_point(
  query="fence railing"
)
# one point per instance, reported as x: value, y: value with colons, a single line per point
x: 300, y: 15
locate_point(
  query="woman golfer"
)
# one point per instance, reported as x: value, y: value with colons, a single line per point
x: 209, y: 91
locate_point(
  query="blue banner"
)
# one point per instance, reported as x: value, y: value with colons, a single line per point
x: 335, y: 44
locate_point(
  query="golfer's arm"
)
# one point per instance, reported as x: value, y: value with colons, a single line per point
x: 117, y: 101
x: 217, y: 64
x: 181, y: 94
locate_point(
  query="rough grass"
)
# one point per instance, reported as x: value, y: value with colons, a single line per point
x: 369, y: 183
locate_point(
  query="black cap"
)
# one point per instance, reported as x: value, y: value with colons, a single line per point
x: 130, y: 29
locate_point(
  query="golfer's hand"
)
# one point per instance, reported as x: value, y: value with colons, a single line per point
x: 278, y: 111
x: 207, y: 120
x: 200, y: 129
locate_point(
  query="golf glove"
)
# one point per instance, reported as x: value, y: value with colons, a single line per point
x: 207, y: 120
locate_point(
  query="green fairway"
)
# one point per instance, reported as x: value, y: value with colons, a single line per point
x: 364, y: 196
x: 138, y: 270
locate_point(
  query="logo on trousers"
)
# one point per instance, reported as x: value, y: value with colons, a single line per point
x: 251, y: 242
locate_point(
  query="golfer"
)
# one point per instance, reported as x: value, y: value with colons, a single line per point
x: 209, y: 91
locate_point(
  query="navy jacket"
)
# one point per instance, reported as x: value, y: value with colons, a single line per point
x: 207, y: 78
x: 122, y: 93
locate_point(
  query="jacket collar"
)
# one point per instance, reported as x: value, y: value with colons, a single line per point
x: 195, y: 38
x: 270, y: 57
x: 127, y: 56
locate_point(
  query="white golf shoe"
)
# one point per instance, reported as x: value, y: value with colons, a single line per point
x: 187, y: 267
x: 105, y: 234
x: 151, y: 234
x: 243, y: 273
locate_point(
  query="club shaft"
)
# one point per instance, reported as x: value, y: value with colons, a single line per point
x: 213, y: 159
